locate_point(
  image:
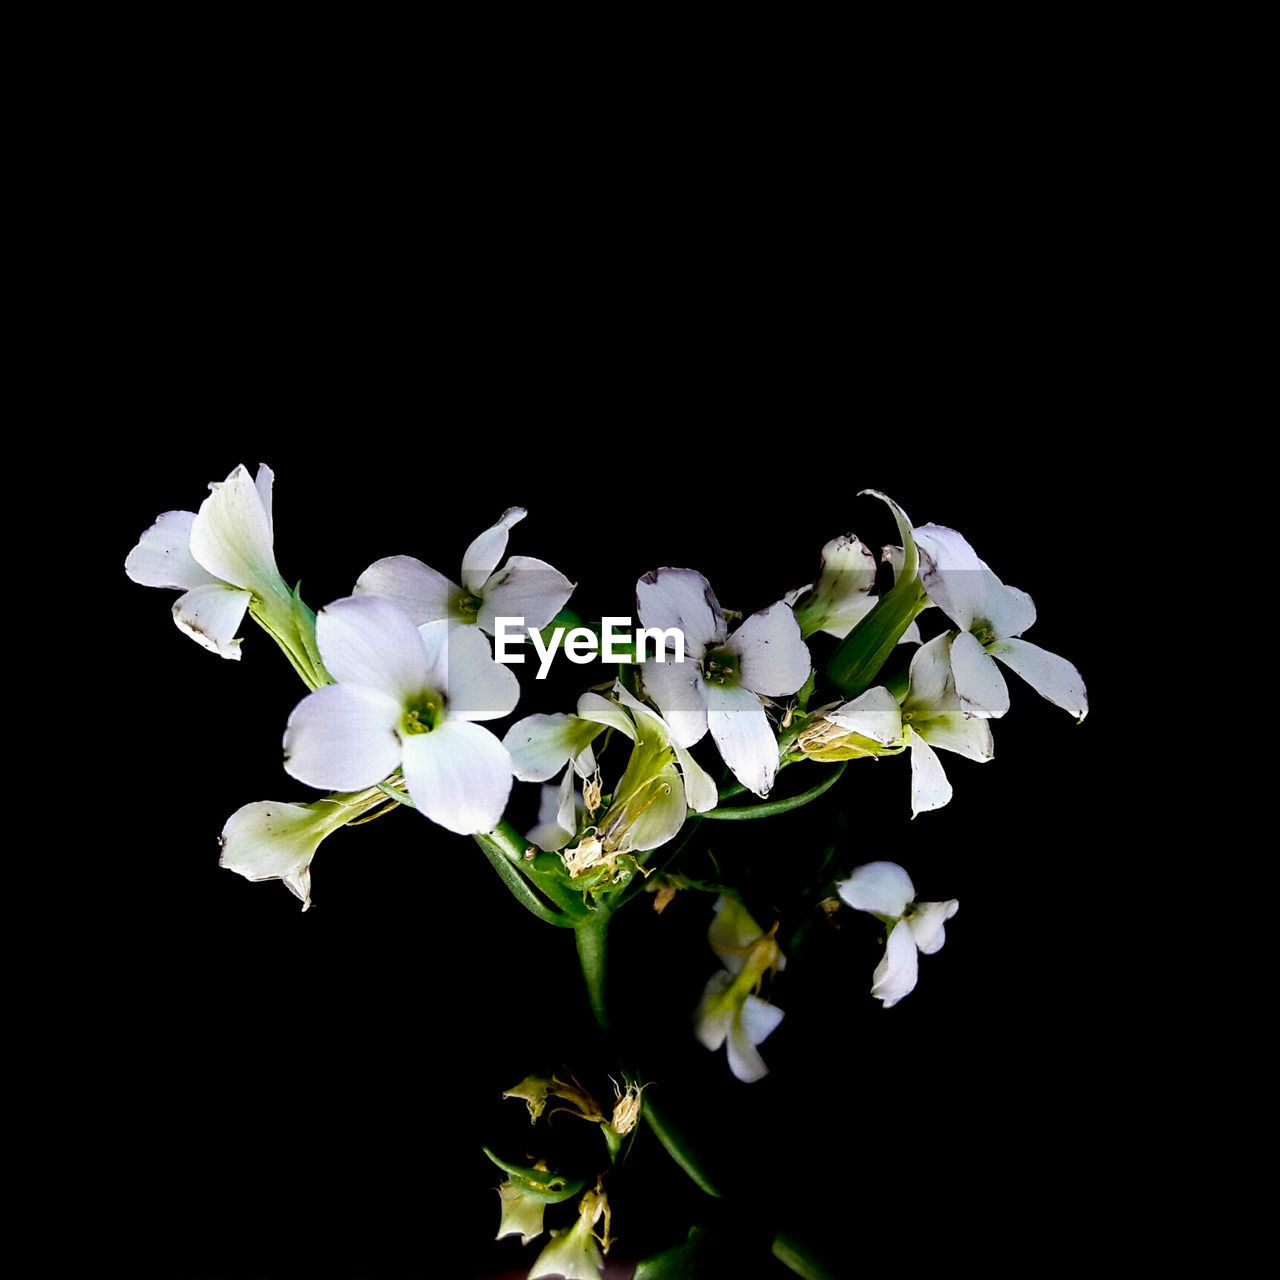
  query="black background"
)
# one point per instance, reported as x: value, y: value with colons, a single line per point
x: 276, y: 1094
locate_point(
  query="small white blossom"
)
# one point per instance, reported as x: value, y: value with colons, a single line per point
x: 524, y: 587
x: 720, y: 683
x: 406, y: 697
x: 574, y: 1253
x: 884, y: 890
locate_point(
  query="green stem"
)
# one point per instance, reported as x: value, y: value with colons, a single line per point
x: 771, y: 807
x: 789, y: 1251
x: 521, y: 889
x: 592, y: 936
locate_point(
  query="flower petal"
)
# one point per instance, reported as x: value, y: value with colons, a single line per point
x: 895, y: 975
x: 874, y: 714
x: 212, y: 615
x: 592, y: 706
x: 459, y: 775
x: 774, y: 659
x: 557, y: 816
x: 840, y: 597
x: 231, y: 536
x: 755, y: 1020
x: 978, y: 682
x: 681, y: 598
x: 163, y: 556
x: 929, y: 786
x: 419, y: 590
x: 343, y: 737
x: 742, y: 733
x: 525, y: 588
x: 966, y: 589
x: 541, y: 745
x: 478, y: 688
x: 662, y: 817
x: 713, y: 1015
x: 883, y: 888
x: 366, y: 640
x: 521, y: 1214
x: 731, y: 933
x: 926, y: 923
x: 482, y: 556
x: 270, y: 840
x: 679, y: 691
x: 1049, y: 675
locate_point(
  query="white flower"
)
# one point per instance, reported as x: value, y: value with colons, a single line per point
x: 523, y: 588
x: 222, y: 558
x: 842, y: 595
x: 885, y: 890
x: 406, y: 698
x: 573, y: 1253
x: 730, y: 1010
x: 541, y: 745
x: 991, y: 617
x: 521, y: 1213
x: 931, y: 715
x: 723, y: 677
x: 271, y: 840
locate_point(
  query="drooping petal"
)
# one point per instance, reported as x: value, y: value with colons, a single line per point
x: 265, y: 483
x: 459, y: 775
x: 743, y: 735
x: 482, y: 556
x: 478, y: 687
x: 343, y: 737
x: 773, y: 658
x: 163, y: 556
x: 929, y: 786
x: 1051, y: 676
x: 521, y: 1214
x: 525, y: 588
x: 978, y: 682
x: 592, y: 706
x: 572, y: 1254
x: 926, y: 923
x: 681, y: 598
x: 662, y: 816
x: 366, y: 640
x: 231, y: 536
x: 557, y: 816
x: 874, y: 714
x: 755, y: 1020
x: 679, y: 691
x: 841, y: 597
x: 968, y: 736
x: 270, y: 840
x: 541, y: 745
x: 419, y: 590
x: 700, y: 791
x: 714, y: 1013
x: 212, y: 615
x: 731, y: 933
x: 895, y: 975
x: 932, y: 687
x: 883, y: 888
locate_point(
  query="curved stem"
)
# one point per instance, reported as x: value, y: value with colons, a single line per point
x: 771, y: 807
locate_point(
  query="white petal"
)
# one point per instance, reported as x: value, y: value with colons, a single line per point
x: 271, y: 840
x: 459, y: 775
x: 231, y: 536
x: 265, y: 483
x: 366, y: 640
x: 478, y: 687
x: 978, y: 682
x: 521, y: 1214
x: 1049, y: 675
x: 1009, y: 611
x: 557, y: 815
x: 482, y: 556
x: 163, y: 557
x: 968, y: 736
x: 773, y: 658
x: 929, y: 786
x: 681, y: 598
x: 731, y: 933
x: 541, y: 745
x: 964, y: 587
x: 712, y: 1017
x: 874, y: 714
x: 212, y: 615
x: 755, y: 1020
x: 662, y: 819
x: 883, y: 888
x: 592, y: 706
x: 742, y: 733
x: 343, y: 737
x: 840, y: 597
x: 679, y: 691
x: 526, y: 588
x: 843, y: 620
x: 419, y: 590
x: 895, y: 975
x: 700, y: 790
x: 932, y: 687
x: 926, y: 923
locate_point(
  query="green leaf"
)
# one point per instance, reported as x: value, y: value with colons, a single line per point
x: 698, y: 1258
x: 540, y: 1184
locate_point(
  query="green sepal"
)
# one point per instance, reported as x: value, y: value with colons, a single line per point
x: 539, y: 1184
x: 613, y: 1140
x: 567, y: 619
x: 806, y: 690
x: 698, y: 1258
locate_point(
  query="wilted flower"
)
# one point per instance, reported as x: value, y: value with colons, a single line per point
x: 843, y: 593
x: 521, y: 1213
x: 574, y: 1253
x: 991, y: 616
x: 408, y: 698
x: 720, y: 683
x: 730, y: 1010
x: 524, y: 587
x: 885, y: 890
